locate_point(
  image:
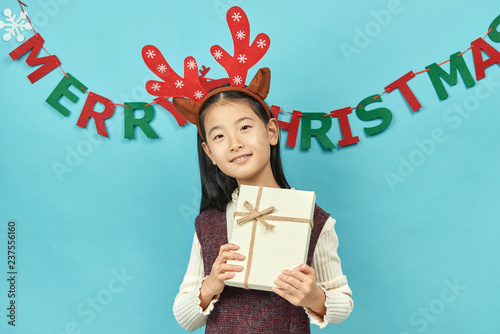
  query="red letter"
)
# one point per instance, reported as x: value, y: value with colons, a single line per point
x: 165, y: 103
x: 99, y: 117
x: 408, y: 95
x: 345, y: 127
x: 292, y: 126
x: 35, y: 44
x: 480, y: 45
x: 275, y: 110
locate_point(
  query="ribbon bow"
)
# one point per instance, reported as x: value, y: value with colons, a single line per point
x: 254, y: 214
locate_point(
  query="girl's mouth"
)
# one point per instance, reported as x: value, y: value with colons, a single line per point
x: 241, y: 158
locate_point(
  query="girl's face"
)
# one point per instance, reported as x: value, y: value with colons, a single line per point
x: 239, y: 143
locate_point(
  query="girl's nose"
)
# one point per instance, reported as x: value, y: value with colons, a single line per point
x: 236, y: 145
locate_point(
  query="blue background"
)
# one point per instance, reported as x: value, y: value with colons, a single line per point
x: 128, y: 206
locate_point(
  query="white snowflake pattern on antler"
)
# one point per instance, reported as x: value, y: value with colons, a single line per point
x: 162, y: 68
x: 261, y: 43
x: 242, y: 58
x: 179, y: 84
x: 237, y: 80
x: 240, y: 35
x: 218, y: 54
x: 14, y: 26
x: 198, y: 94
x: 191, y: 64
x: 172, y: 84
x: 236, y: 17
x: 245, y: 54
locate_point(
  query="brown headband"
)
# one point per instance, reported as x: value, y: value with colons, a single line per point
x: 258, y: 89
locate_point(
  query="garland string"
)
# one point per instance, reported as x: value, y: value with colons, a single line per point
x: 22, y: 5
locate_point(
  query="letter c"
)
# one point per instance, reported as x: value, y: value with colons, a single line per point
x: 112, y: 288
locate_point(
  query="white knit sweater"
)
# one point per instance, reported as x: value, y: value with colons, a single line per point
x: 326, y: 264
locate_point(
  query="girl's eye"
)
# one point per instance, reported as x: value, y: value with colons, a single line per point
x: 218, y: 137
x: 245, y: 127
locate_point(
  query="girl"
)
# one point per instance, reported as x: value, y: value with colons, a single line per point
x: 238, y: 143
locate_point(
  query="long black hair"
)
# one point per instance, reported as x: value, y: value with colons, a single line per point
x: 217, y: 187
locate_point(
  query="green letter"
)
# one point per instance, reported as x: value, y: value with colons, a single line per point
x: 143, y: 123
x: 307, y: 132
x: 494, y: 33
x: 436, y: 73
x: 62, y: 90
x: 370, y: 115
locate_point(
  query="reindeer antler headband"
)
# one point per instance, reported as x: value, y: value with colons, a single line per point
x: 191, y: 92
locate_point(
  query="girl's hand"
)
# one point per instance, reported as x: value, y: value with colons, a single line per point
x: 221, y: 271
x: 302, y: 288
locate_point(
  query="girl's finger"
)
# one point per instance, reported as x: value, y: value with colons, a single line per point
x: 231, y: 256
x: 283, y: 294
x: 221, y: 262
x: 291, y: 281
x: 296, y: 274
x: 230, y: 267
x: 284, y: 285
x: 304, y: 268
x: 226, y: 276
x: 227, y: 247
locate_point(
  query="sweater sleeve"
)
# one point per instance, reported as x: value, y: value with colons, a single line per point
x: 329, y: 277
x: 187, y: 309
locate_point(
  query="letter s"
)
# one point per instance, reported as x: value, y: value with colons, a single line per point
x: 448, y: 117
x: 421, y: 322
x: 369, y: 115
x: 88, y: 311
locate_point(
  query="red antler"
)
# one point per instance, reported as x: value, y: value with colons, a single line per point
x: 245, y: 56
x: 172, y: 85
x: 209, y: 84
x: 204, y: 70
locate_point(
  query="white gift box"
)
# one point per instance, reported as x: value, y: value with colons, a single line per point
x: 270, y: 250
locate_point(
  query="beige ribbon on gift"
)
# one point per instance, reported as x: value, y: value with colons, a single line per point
x: 255, y: 215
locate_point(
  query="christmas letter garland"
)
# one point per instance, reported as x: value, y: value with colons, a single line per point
x: 436, y: 74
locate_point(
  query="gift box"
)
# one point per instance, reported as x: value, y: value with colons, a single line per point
x: 272, y: 226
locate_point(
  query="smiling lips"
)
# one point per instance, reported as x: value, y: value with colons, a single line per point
x: 241, y: 158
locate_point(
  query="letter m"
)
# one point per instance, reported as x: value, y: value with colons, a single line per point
x: 35, y: 44
x: 457, y: 64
